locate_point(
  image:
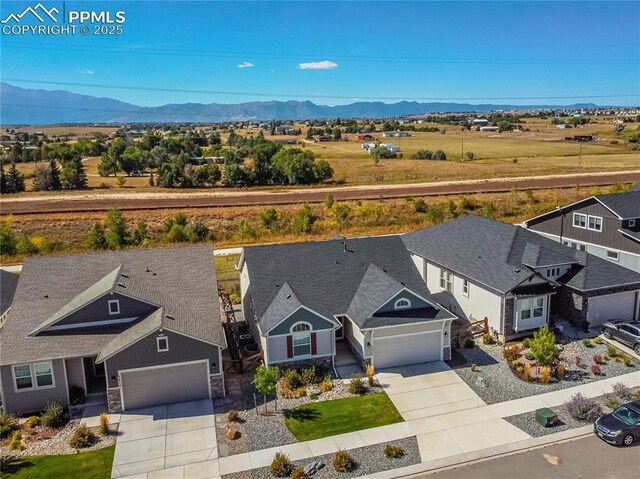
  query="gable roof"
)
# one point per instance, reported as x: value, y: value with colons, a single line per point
x: 284, y: 304
x: 180, y: 280
x: 8, y: 285
x: 331, y: 277
x: 501, y: 256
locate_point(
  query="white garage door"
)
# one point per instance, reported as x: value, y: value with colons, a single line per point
x: 611, y: 306
x: 402, y: 350
x: 164, y: 385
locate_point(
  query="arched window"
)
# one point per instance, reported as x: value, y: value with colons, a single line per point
x: 301, y: 333
x: 402, y: 303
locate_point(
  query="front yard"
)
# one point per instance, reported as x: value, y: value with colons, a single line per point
x: 327, y: 418
x: 86, y: 465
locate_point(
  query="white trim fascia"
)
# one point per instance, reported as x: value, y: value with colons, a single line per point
x: 404, y: 288
x: 630, y: 237
x: 410, y: 324
x: 66, y: 380
x: 90, y: 324
x: 561, y: 208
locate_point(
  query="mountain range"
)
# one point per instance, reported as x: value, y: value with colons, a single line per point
x: 27, y: 106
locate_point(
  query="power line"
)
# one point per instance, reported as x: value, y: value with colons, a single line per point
x: 308, y: 95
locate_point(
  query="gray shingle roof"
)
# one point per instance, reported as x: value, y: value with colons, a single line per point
x: 284, y: 303
x: 181, y: 279
x: 631, y: 234
x: 626, y: 205
x: 494, y: 254
x: 8, y: 285
x: 329, y: 276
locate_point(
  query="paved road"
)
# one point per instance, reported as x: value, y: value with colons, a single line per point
x: 588, y: 458
x: 219, y: 198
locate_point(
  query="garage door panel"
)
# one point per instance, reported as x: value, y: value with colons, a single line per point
x: 611, y: 306
x: 164, y: 385
x: 403, y: 350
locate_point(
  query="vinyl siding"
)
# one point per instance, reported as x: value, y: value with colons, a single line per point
x: 317, y: 323
x: 145, y: 353
x: 415, y: 302
x: 35, y: 399
x: 357, y: 338
x: 277, y: 346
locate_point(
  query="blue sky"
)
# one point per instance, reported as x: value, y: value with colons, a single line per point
x: 466, y: 51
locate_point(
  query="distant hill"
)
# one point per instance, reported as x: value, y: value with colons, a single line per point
x: 41, y: 107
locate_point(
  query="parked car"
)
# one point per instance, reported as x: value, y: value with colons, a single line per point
x: 621, y: 427
x: 627, y: 332
x: 137, y: 173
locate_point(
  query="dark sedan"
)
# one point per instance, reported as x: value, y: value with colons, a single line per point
x: 621, y: 427
x: 627, y: 332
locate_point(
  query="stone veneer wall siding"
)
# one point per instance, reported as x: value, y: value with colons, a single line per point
x: 114, y: 400
x: 574, y: 304
x: 323, y: 362
x: 217, y: 386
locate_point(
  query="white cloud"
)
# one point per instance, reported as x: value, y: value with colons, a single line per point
x: 88, y: 72
x: 246, y: 65
x: 323, y: 65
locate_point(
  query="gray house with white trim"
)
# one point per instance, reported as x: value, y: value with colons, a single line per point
x: 136, y: 328
x: 300, y: 298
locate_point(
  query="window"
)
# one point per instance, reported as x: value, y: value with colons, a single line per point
x: 163, y: 344
x: 465, y: 288
x: 402, y: 303
x: 614, y: 255
x: 446, y: 280
x: 114, y: 306
x: 595, y: 223
x: 44, y: 374
x: 532, y: 308
x: 301, y: 339
x: 22, y: 375
x: 579, y: 220
x: 632, y: 223
x: 582, y: 247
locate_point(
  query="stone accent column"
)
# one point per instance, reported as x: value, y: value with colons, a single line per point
x: 217, y: 386
x: 114, y: 400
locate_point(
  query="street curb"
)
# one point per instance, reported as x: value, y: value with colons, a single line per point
x: 484, y: 454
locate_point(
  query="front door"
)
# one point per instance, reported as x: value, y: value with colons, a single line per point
x: 340, y: 332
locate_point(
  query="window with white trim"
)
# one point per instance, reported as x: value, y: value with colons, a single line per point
x: 446, y: 280
x: 632, y: 223
x: 402, y: 303
x: 613, y: 255
x: 595, y: 223
x: 532, y: 308
x: 301, y: 333
x: 579, y: 220
x: 33, y: 376
x: 44, y: 374
x: 163, y: 344
x: 465, y: 287
x: 114, y: 306
x: 22, y: 376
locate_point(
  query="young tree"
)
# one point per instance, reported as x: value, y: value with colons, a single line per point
x: 73, y: 175
x: 340, y: 212
x: 266, y: 381
x: 303, y: 220
x: 14, y: 180
x: 543, y: 346
x: 141, y: 232
x: 8, y: 240
x: 3, y: 180
x: 95, y: 238
x: 269, y: 217
x: 56, y: 184
x: 117, y: 235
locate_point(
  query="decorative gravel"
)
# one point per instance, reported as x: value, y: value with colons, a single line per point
x: 257, y: 430
x: 499, y: 383
x: 369, y: 459
x: 527, y: 421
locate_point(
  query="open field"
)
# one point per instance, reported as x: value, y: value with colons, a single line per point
x: 57, y: 130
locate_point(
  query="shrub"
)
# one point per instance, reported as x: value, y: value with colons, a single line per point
x: 512, y: 353
x: 371, y: 371
x: 343, y: 461
x: 298, y: 473
x: 622, y: 391
x: 526, y: 342
x: 597, y: 359
x: 527, y: 372
x: 232, y: 415
x: 7, y: 424
x: 587, y: 343
x: 281, y: 465
x: 611, y: 401
x: 356, y: 385
x: 104, y: 423
x: 627, y: 361
x: 578, y: 361
x: 515, y: 363
x: 53, y: 415
x: 561, y: 370
x: 469, y: 343
x: 543, y: 346
x: 487, y: 338
x: 313, y: 396
x: 82, y: 437
x: 529, y: 355
x: 32, y: 421
x: 606, y: 358
x: 611, y: 351
x: 545, y: 374
x: 393, y: 452
x: 16, y: 442
x: 595, y: 369
x: 636, y: 395
x: 580, y: 407
x: 293, y: 379
x: 597, y: 340
x: 308, y: 376
x: 326, y: 385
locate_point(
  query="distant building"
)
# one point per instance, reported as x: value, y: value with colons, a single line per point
x: 564, y: 126
x: 395, y: 134
x: 365, y: 137
x: 489, y: 128
x: 321, y: 138
x: 579, y: 138
x: 480, y: 122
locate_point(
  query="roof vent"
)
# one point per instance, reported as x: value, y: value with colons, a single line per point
x: 125, y: 276
x: 171, y: 318
x: 121, y: 285
x: 402, y: 283
x: 288, y: 296
x: 384, y: 270
x: 277, y: 285
x: 46, y: 295
x: 516, y: 270
x: 147, y: 270
x: 154, y: 274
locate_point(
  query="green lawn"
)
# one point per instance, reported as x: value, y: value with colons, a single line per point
x: 327, y: 418
x: 85, y: 465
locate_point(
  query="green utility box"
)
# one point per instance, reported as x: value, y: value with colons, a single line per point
x: 546, y: 417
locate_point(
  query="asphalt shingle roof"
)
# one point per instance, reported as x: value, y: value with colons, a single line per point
x: 180, y: 279
x: 331, y: 277
x: 626, y: 205
x: 8, y: 285
x: 496, y: 255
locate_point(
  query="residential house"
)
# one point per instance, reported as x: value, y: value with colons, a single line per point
x: 8, y: 285
x: 135, y: 328
x: 395, y: 134
x: 365, y: 137
x: 300, y: 298
x: 480, y: 122
x: 607, y: 226
x: 489, y: 128
x: 481, y: 268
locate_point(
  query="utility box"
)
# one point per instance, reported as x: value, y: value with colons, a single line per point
x: 546, y: 417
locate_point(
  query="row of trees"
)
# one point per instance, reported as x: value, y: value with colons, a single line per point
x: 430, y: 155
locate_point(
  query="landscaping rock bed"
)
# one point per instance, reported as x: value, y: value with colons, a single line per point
x: 499, y: 383
x: 369, y: 459
x: 258, y: 431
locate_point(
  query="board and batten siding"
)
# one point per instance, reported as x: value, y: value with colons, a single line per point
x: 317, y: 323
x: 416, y: 302
x: 277, y: 347
x: 33, y: 400
x: 144, y: 353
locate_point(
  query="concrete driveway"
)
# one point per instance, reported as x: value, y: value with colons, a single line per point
x: 175, y: 441
x: 428, y: 389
